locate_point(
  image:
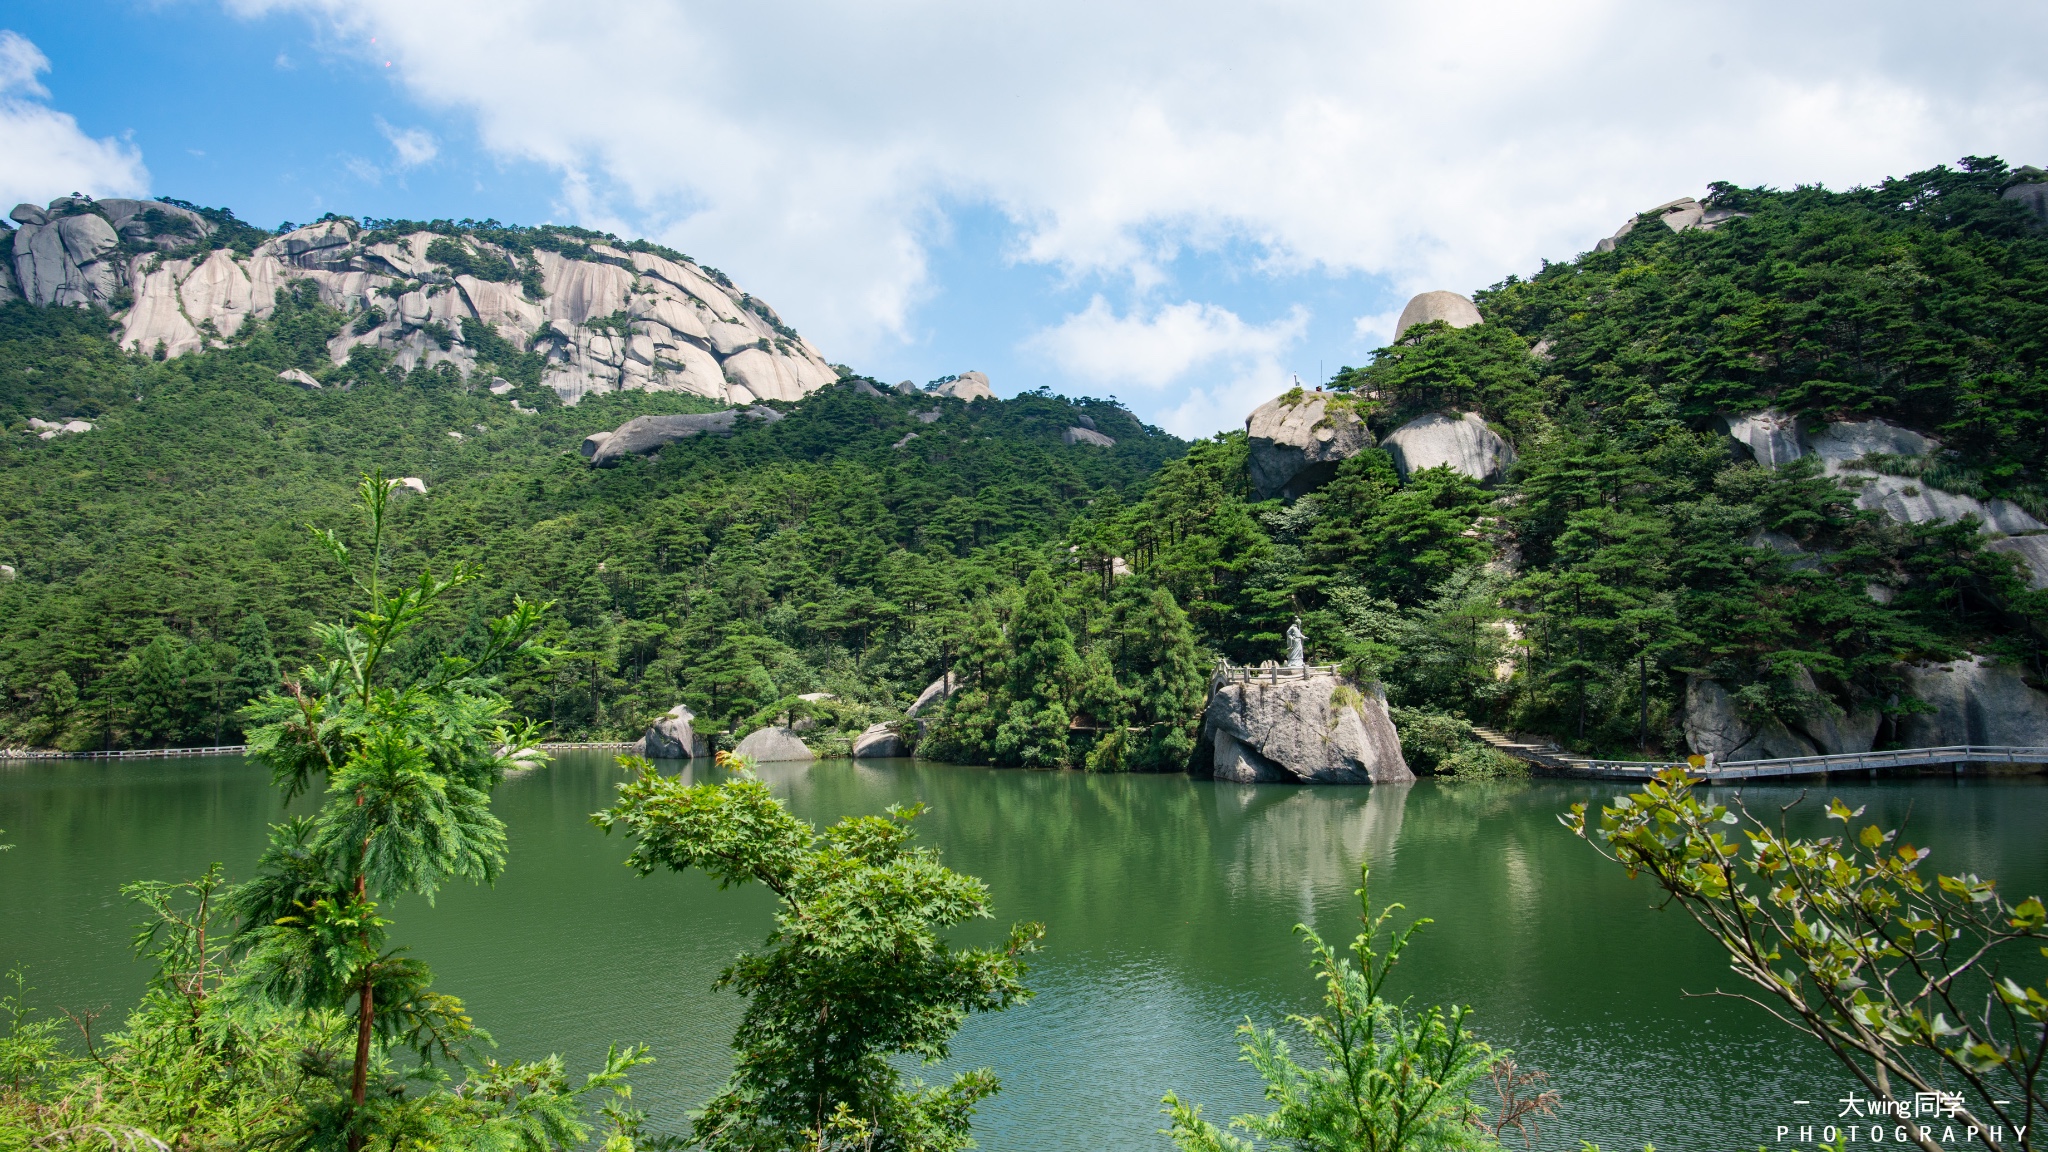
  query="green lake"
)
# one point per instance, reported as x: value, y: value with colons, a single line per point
x: 1169, y: 905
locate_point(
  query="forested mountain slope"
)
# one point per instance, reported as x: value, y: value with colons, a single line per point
x: 1636, y: 558
x: 164, y: 569
x: 1759, y: 487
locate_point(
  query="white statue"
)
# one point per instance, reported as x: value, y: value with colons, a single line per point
x: 1294, y: 638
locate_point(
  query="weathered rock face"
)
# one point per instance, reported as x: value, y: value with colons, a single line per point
x: 1448, y: 307
x: 938, y: 691
x: 1976, y: 701
x: 2032, y: 551
x: 644, y: 434
x: 1317, y: 729
x: 2032, y: 197
x: 1775, y: 439
x: 298, y: 377
x: 1298, y: 439
x: 1839, y: 443
x: 1714, y: 726
x: 1086, y: 436
x: 878, y: 742
x: 51, y: 429
x: 1678, y: 215
x: 770, y: 744
x: 673, y: 738
x: 1464, y: 443
x: 688, y: 330
x: 1771, y: 437
x: 968, y: 386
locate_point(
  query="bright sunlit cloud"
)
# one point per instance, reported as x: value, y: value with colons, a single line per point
x: 46, y: 154
x: 411, y: 146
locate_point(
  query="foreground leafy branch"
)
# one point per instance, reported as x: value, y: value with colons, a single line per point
x: 856, y: 971
x: 1392, y: 1079
x: 1921, y: 988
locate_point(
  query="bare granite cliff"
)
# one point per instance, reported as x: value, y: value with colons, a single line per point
x: 606, y: 316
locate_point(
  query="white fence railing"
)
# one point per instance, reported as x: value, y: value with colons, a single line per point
x: 1819, y: 765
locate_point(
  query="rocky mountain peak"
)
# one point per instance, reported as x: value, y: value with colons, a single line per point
x: 607, y: 314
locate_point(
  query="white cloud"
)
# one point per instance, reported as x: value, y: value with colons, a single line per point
x: 808, y: 148
x: 1171, y: 343
x: 47, y: 156
x: 412, y: 146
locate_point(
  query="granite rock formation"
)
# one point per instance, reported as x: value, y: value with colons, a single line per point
x: 1464, y: 442
x: 1678, y: 215
x: 968, y: 386
x: 1770, y: 437
x: 769, y: 744
x: 1714, y: 725
x: 2032, y: 196
x: 661, y: 324
x: 1775, y: 438
x: 1298, y: 439
x: 1076, y: 435
x: 1448, y: 307
x: 673, y: 737
x: 646, y: 434
x: 1314, y: 729
x: 1976, y: 700
x: 878, y: 742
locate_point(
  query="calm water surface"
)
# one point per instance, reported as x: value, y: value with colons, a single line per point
x: 1169, y: 905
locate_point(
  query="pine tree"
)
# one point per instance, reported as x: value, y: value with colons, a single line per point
x: 256, y: 671
x: 408, y: 765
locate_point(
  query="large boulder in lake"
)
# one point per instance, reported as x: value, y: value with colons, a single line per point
x: 647, y: 434
x: 1298, y: 439
x: 879, y: 742
x: 674, y: 736
x: 766, y: 744
x: 1463, y: 441
x: 1448, y: 307
x: 1314, y: 729
x: 1977, y: 700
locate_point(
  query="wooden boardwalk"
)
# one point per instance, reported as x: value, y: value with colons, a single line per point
x: 232, y: 750
x: 1552, y: 758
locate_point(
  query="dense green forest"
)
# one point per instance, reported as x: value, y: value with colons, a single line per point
x: 165, y: 575
x: 165, y: 571
x: 1626, y: 550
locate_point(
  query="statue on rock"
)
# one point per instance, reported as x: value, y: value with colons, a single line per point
x: 1295, y: 659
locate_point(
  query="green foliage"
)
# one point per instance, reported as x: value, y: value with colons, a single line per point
x: 1442, y: 743
x: 466, y: 258
x: 1917, y: 986
x: 824, y: 556
x: 855, y: 974
x: 1629, y: 547
x: 408, y: 760
x: 1390, y: 1078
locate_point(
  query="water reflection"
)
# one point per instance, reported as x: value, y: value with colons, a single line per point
x: 1169, y: 905
x: 1291, y: 842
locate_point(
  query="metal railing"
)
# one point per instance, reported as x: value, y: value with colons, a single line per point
x: 123, y: 754
x: 230, y: 750
x: 1820, y: 765
x: 1228, y: 673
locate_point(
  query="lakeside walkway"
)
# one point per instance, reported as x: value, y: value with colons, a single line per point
x: 1554, y: 759
x: 236, y: 750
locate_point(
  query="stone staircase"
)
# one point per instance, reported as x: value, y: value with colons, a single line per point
x: 1544, y: 755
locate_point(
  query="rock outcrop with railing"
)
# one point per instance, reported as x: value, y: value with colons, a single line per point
x: 1300, y: 724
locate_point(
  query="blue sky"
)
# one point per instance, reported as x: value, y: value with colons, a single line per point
x: 1182, y: 206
